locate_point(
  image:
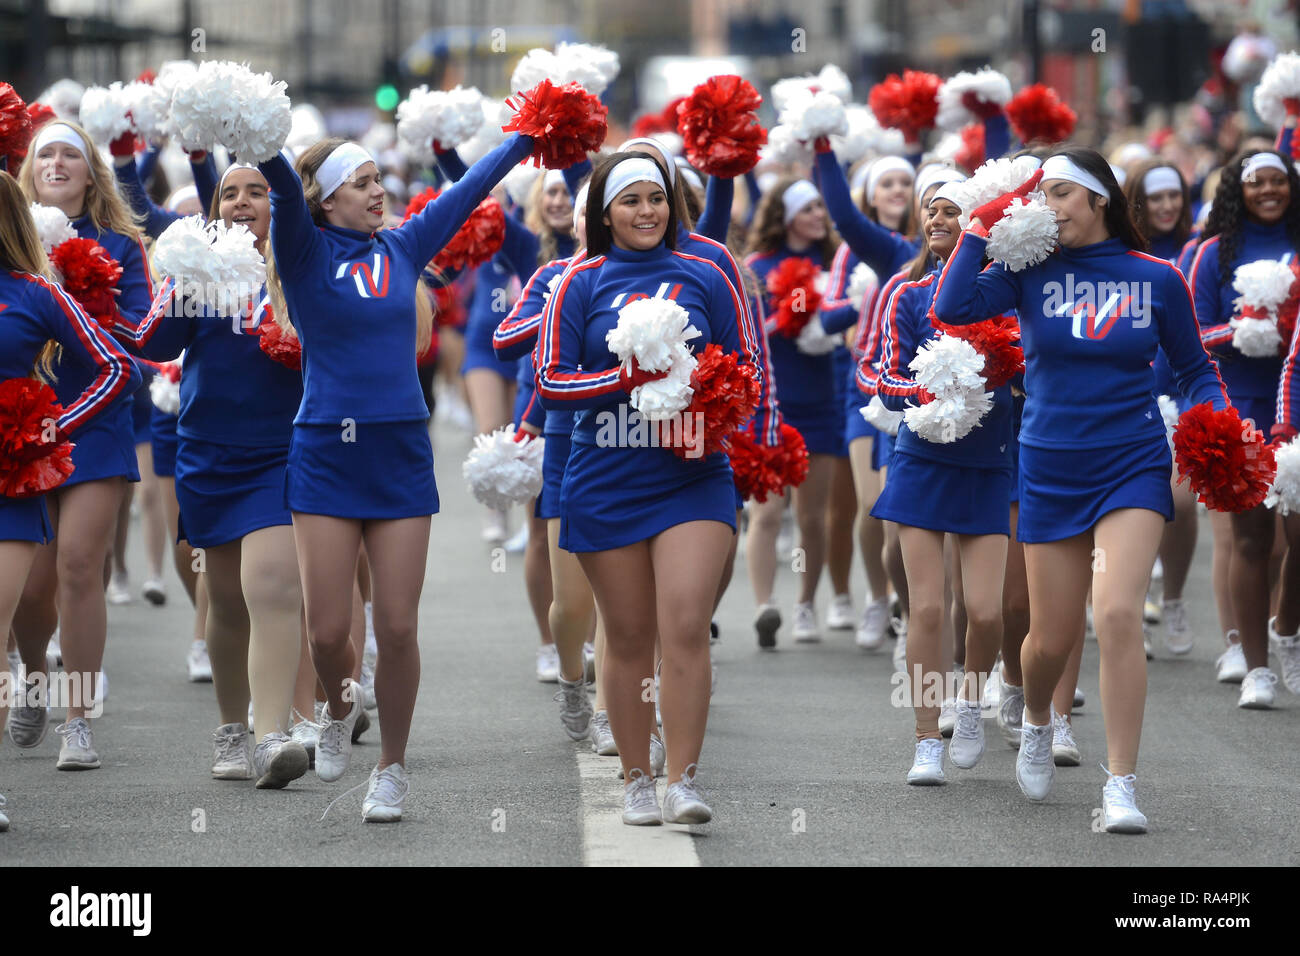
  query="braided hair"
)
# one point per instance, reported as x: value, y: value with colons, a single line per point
x: 1229, y: 211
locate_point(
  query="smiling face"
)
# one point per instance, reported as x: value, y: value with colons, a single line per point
x: 891, y: 198
x: 62, y: 178
x: 1079, y: 221
x: 1163, y: 209
x: 557, y: 207
x: 638, y: 217
x: 358, y: 204
x: 245, y: 200
x: 941, y: 227
x: 808, y: 226
x: 1267, y: 197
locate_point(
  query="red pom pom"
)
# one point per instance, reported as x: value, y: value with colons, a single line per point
x: 795, y: 298
x: 718, y: 124
x: 998, y: 340
x: 477, y: 240
x: 170, y: 371
x: 724, y: 394
x: 762, y: 470
x: 90, y: 275
x: 1038, y: 115
x: 1287, y: 311
x: 29, y: 465
x: 419, y: 201
x: 566, y: 123
x: 665, y: 121
x: 971, y: 155
x: 15, y: 124
x: 908, y: 104
x: 449, y: 311
x: 1226, y: 462
x: 278, y: 345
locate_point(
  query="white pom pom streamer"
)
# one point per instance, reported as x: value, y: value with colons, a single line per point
x: 814, y: 114
x: 1023, y: 237
x: 947, y: 148
x: 166, y: 394
x: 228, y: 103
x: 1256, y: 338
x: 603, y: 61
x: 589, y: 67
x: 172, y: 74
x: 495, y: 115
x: 1168, y: 412
x: 1247, y: 57
x: 1280, y: 80
x: 519, y: 181
x: 104, y: 113
x: 950, y: 369
x: 149, y: 110
x: 878, y: 416
x: 813, y: 339
x: 987, y: 84
x: 783, y: 146
x: 501, y: 471
x: 1264, y: 284
x: 945, y: 420
x: 994, y: 178
x: 864, y: 137
x: 654, y: 332
x: 863, y: 282
x: 830, y: 80
x: 667, y: 397
x: 1284, y: 494
x: 52, y: 226
x: 449, y: 116
x: 64, y: 97
x: 215, y: 265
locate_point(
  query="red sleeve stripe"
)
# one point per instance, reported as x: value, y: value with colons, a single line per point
x: 514, y: 329
x: 551, y: 382
x: 748, y: 331
x: 742, y: 327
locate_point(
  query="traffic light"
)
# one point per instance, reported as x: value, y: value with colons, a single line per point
x: 387, y: 97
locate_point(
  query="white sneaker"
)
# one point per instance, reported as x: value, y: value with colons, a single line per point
x: 927, y: 766
x: 1079, y: 699
x: 992, y: 695
x: 231, y: 759
x: 602, y: 738
x: 875, y: 621
x: 1011, y: 714
x: 640, y: 802
x: 839, y: 617
x: 370, y: 649
x: 1178, y: 632
x: 658, y: 755
x: 900, y: 646
x: 548, y: 664
x: 334, y: 749
x: 968, y: 736
x: 575, y: 708
x: 279, y: 760
x: 78, y: 749
x: 54, y: 652
x: 1034, y: 766
x: 30, y: 719
x: 683, y: 803
x: 1150, y: 611
x: 1158, y: 570
x: 385, y: 794
x: 1231, y: 664
x: 1257, y: 690
x: 1119, y: 802
x: 767, y: 622
x: 805, y: 629
x: 1065, y: 752
x: 518, y: 543
x: 119, y: 589
x: 155, y: 592
x: 368, y: 683
x: 307, y: 733
x: 1287, y: 651
x: 948, y: 716
x: 197, y: 662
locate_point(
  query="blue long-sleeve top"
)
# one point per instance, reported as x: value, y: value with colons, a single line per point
x: 906, y: 327
x: 351, y: 294
x: 1088, y: 378
x: 839, y: 312
x: 883, y: 249
x: 800, y: 378
x: 516, y: 335
x: 1244, y: 377
x: 575, y: 367
x: 1164, y: 246
x: 36, y: 310
x: 694, y: 244
x: 715, y: 217
x: 146, y: 163
x: 156, y: 218
x: 997, y: 136
x: 868, y: 346
x: 1188, y: 253
x: 232, y: 393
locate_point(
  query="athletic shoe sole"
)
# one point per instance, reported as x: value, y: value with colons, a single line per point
x: 1126, y: 826
x: 767, y: 624
x: 361, y: 726
x: 77, y: 765
x: 1065, y: 759
x: 287, y: 765
x: 693, y: 814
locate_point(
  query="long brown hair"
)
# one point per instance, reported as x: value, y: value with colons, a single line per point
x: 599, y: 236
x: 21, y: 251
x: 767, y: 234
x: 104, y: 204
x: 1136, y: 192
x: 307, y: 166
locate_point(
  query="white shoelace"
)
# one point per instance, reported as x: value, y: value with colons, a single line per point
x: 1037, y: 746
x: 229, y: 745
x: 1121, y: 790
x: 929, y: 751
x: 388, y: 788
x: 332, y: 734
x: 968, y: 720
x: 639, y: 794
x: 1260, y: 675
x: 1061, y: 728
x: 78, y: 729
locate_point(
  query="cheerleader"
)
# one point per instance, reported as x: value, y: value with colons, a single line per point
x: 651, y: 530
x: 349, y: 292
x: 37, y: 316
x: 1094, y: 461
x: 962, y: 489
x: 62, y: 169
x: 1256, y: 216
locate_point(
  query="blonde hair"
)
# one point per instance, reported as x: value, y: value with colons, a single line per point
x: 548, y: 247
x: 307, y: 166
x: 21, y: 251
x: 103, y: 203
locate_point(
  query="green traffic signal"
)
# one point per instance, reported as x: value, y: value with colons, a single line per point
x: 387, y: 97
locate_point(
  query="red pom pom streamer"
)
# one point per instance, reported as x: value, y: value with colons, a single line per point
x: 566, y: 123
x: 90, y: 275
x: 278, y: 345
x: 1287, y: 311
x: 449, y: 311
x: 971, y: 155
x: 1226, y: 462
x: 998, y: 340
x: 718, y: 124
x: 724, y: 395
x: 15, y: 126
x: 908, y: 103
x: 665, y: 121
x: 761, y: 470
x: 477, y: 240
x: 29, y: 465
x: 794, y: 294
x: 1038, y: 115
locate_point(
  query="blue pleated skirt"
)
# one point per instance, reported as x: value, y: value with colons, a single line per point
x: 942, y: 497
x: 105, y: 448
x: 555, y: 456
x: 142, y: 412
x: 821, y: 425
x: 163, y: 441
x: 25, y: 519
x: 226, y: 492
x: 375, y: 471
x: 882, y: 451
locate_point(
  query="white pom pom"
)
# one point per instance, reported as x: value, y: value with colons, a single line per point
x: 495, y: 115
x: 449, y: 116
x: 228, y: 103
x: 881, y: 417
x: 813, y: 339
x: 1284, y: 493
x: 947, y: 148
x: 598, y: 62
x: 1264, y: 284
x: 1169, y: 413
x: 535, y: 65
x: 519, y: 181
x: 991, y: 180
x: 1023, y: 237
x: 216, y: 265
x: 149, y: 110
x: 52, y: 226
x: 783, y: 146
x: 664, y: 398
x: 104, y: 113
x: 987, y: 84
x: 862, y: 283
x: 835, y: 81
x: 830, y: 80
x: 166, y: 394
x: 1280, y: 80
x: 946, y: 366
x: 201, y: 109
x: 64, y: 97
x: 648, y: 330
x: 306, y: 128
x: 264, y: 116
x: 814, y: 114
x: 171, y: 74
x: 1256, y: 338
x: 946, y: 420
x: 501, y: 471
x: 1245, y: 59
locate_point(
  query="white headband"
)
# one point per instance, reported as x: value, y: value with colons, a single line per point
x: 628, y: 172
x: 184, y: 194
x: 1121, y: 177
x: 886, y: 164
x: 579, y: 204
x: 230, y: 169
x: 1261, y: 161
x: 859, y: 179
x: 60, y: 133
x: 797, y: 195
x: 658, y: 147
x: 339, y: 167
x: 950, y: 191
x: 1062, y: 167
x: 692, y: 178
x: 552, y: 177
x: 930, y: 175
x: 1160, y: 179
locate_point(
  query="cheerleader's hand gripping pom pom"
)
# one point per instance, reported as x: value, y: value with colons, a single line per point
x: 992, y: 211
x: 813, y: 339
x: 653, y: 332
x: 34, y: 456
x: 997, y: 341
x: 1284, y: 494
x: 1226, y: 462
x: 90, y: 275
x: 719, y: 126
x: 946, y: 420
x: 814, y: 115
x: 631, y: 375
x: 566, y: 123
x: 968, y: 97
x: 760, y: 470
x: 214, y: 264
x: 53, y: 227
x: 1025, y: 236
x: 501, y: 471
x: 165, y: 390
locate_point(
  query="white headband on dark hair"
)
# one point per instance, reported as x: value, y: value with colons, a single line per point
x: 886, y: 164
x: 60, y: 133
x: 579, y: 204
x: 1062, y: 167
x: 339, y: 166
x: 1160, y: 179
x: 950, y: 191
x: 797, y: 195
x: 628, y: 172
x: 1261, y: 161
x: 930, y: 175
x: 659, y: 148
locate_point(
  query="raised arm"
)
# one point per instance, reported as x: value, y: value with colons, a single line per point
x: 997, y: 136
x: 871, y: 242
x: 294, y: 239
x: 165, y: 331
x: 156, y: 219
x: 839, y: 312
x: 715, y: 217
x: 899, y: 339
x: 204, y: 170
x: 965, y: 294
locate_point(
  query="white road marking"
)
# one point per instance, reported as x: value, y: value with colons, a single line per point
x: 606, y: 840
